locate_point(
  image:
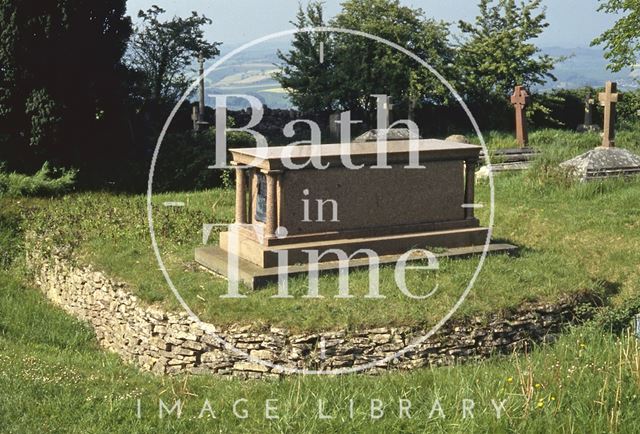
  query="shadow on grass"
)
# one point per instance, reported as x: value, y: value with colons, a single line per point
x: 512, y: 253
x: 609, y: 289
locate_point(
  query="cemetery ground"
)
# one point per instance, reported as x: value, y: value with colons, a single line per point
x: 54, y: 378
x: 573, y: 238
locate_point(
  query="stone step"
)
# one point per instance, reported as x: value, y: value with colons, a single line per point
x: 215, y: 259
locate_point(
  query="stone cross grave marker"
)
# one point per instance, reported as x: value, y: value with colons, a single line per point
x: 520, y: 100
x: 201, y: 89
x: 195, y: 116
x: 384, y: 108
x: 588, y: 111
x: 609, y: 98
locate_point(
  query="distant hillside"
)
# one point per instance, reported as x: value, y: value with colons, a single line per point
x: 250, y: 72
x: 586, y: 67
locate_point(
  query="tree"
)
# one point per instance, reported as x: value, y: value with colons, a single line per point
x: 308, y: 80
x: 622, y: 41
x: 495, y: 52
x: 356, y: 67
x: 372, y: 67
x: 60, y: 80
x: 161, y: 51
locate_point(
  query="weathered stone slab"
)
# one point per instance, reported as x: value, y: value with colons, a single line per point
x: 602, y: 162
x: 508, y: 159
x: 391, y: 134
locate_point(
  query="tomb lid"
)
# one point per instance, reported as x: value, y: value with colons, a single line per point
x: 274, y: 157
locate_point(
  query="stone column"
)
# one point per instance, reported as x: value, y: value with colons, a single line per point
x: 250, y: 192
x: 469, y: 194
x: 272, y: 203
x: 241, y: 196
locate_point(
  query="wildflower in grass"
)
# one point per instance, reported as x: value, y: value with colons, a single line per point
x: 510, y: 380
x: 540, y: 404
x: 538, y: 385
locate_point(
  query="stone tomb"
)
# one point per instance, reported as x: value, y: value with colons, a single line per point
x: 607, y: 160
x: 388, y: 210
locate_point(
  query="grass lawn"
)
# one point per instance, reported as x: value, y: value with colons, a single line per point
x: 573, y: 237
x: 54, y: 378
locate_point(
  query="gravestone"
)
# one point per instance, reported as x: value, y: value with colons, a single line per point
x: 520, y: 100
x: 606, y: 160
x: 388, y: 210
x: 197, y: 116
x: 457, y: 138
x: 608, y: 99
x: 509, y: 159
x: 334, y: 126
x: 383, y: 122
x: 589, y: 110
x: 389, y: 134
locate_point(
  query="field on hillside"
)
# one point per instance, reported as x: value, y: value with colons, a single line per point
x: 573, y: 238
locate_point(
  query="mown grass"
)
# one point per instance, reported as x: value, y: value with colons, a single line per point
x: 54, y: 378
x: 573, y: 237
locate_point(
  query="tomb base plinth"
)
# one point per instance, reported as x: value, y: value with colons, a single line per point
x: 216, y: 260
x: 264, y: 255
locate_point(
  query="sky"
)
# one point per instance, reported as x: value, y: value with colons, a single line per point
x: 572, y: 23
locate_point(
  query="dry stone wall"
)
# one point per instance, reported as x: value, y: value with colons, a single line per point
x: 169, y: 343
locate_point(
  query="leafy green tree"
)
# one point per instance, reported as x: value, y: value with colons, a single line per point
x: 161, y: 51
x: 622, y: 41
x: 356, y: 67
x: 182, y: 164
x: 309, y: 81
x: 60, y: 80
x: 160, y: 54
x: 369, y: 67
x: 495, y: 52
